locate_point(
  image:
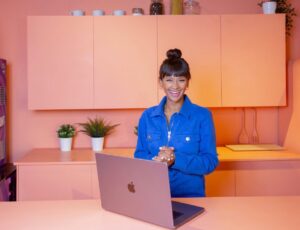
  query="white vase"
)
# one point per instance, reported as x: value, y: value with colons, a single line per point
x: 65, y: 144
x: 97, y: 144
x: 269, y: 7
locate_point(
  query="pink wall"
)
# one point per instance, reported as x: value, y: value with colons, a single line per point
x: 31, y: 129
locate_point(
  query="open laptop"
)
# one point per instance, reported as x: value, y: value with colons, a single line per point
x: 140, y: 189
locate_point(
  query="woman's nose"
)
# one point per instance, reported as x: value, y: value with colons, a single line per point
x: 175, y: 83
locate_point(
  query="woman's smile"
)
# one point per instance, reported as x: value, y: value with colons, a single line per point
x: 174, y: 87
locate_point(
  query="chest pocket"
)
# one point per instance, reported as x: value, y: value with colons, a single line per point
x: 187, y: 143
x: 154, y: 142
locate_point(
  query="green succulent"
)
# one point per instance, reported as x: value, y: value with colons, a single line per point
x: 97, y: 127
x: 66, y: 131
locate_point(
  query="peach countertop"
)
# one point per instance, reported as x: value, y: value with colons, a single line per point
x: 86, y: 156
x: 221, y: 213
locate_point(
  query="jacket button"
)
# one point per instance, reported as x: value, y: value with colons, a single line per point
x: 187, y: 138
x: 149, y: 137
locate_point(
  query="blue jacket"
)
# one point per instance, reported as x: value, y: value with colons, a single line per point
x: 192, y: 135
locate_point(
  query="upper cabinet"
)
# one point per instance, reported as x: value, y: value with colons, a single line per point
x: 113, y: 62
x: 60, y: 62
x: 199, y: 40
x: 125, y: 62
x: 253, y: 60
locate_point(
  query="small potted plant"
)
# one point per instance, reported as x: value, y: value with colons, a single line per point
x: 281, y: 7
x: 97, y: 129
x: 66, y: 132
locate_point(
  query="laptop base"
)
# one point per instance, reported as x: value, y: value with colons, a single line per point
x: 182, y: 212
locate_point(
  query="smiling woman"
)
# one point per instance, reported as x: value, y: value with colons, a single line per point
x: 178, y: 132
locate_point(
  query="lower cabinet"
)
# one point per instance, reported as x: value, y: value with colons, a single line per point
x: 56, y: 182
x: 80, y: 181
x: 221, y: 182
x: 255, y: 178
x: 268, y: 178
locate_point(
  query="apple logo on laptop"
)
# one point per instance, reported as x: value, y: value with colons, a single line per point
x: 130, y: 187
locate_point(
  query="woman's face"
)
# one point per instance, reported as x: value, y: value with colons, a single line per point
x: 174, y: 87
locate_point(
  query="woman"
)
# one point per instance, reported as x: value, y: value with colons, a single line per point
x: 178, y: 132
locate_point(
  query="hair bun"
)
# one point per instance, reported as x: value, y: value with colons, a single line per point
x: 173, y: 54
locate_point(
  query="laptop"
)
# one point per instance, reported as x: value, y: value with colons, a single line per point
x: 140, y: 189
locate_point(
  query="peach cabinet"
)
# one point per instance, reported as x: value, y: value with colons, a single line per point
x: 54, y: 182
x: 60, y: 62
x: 264, y: 178
x: 199, y: 40
x: 125, y: 62
x: 113, y: 62
x: 255, y: 178
x: 48, y: 174
x: 253, y: 60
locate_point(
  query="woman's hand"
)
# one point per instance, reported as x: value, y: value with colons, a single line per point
x: 165, y: 154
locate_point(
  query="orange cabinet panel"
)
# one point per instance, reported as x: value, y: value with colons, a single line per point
x: 54, y: 182
x: 253, y: 60
x: 125, y: 62
x: 221, y: 182
x: 198, y: 37
x: 268, y: 178
x: 95, y: 182
x: 60, y: 62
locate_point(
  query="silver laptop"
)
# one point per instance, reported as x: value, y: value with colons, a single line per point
x: 140, y: 189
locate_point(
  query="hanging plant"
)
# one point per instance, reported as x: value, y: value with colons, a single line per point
x: 284, y: 7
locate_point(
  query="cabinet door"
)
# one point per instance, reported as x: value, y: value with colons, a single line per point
x: 54, y: 182
x: 60, y: 62
x: 95, y: 182
x: 253, y: 60
x: 125, y: 65
x: 220, y: 183
x: 198, y: 37
x: 268, y: 178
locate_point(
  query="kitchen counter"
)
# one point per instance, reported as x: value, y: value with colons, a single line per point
x: 221, y: 213
x: 79, y: 156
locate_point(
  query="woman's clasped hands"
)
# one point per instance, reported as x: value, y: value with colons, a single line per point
x: 165, y: 154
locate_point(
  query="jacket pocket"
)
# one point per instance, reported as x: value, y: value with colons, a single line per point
x: 154, y: 142
x: 187, y: 143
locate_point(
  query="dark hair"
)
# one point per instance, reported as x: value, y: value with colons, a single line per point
x: 174, y: 65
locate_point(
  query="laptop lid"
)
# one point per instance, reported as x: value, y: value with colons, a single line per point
x: 140, y: 189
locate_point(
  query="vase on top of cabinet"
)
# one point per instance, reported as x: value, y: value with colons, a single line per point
x: 269, y: 6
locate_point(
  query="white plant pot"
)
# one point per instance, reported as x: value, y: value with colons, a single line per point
x: 65, y: 144
x: 97, y: 144
x: 269, y: 7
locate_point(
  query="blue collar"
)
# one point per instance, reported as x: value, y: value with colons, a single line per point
x: 185, y: 109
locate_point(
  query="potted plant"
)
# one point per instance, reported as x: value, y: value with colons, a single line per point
x: 97, y: 129
x: 283, y: 7
x: 66, y: 132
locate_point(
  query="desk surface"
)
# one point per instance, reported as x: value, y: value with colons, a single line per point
x: 86, y: 156
x: 230, y: 213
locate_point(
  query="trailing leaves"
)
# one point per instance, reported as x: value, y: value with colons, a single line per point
x: 284, y: 7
